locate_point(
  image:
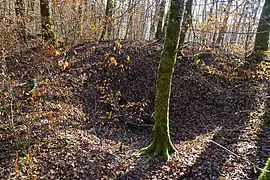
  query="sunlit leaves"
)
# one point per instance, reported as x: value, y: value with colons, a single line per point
x: 112, y: 61
x: 128, y: 58
x: 235, y: 70
x: 62, y: 64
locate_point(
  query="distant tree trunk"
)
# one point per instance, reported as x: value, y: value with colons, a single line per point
x: 262, y: 36
x: 143, y: 22
x: 31, y: 5
x: 130, y: 19
x: 225, y: 23
x: 162, y: 145
x: 187, y: 20
x: 152, y: 24
x: 20, y: 13
x: 204, y: 16
x: 210, y: 21
x: 216, y: 17
x: 79, y: 26
x: 235, y: 25
x: 46, y: 22
x: 164, y: 29
x: 247, y: 40
x: 128, y: 26
x: 161, y: 16
x: 238, y: 26
x: 254, y: 18
x: 107, y: 29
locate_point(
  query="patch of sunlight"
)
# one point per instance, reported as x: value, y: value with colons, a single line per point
x: 189, y: 152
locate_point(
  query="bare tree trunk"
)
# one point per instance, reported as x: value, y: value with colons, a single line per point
x: 216, y: 17
x: 31, y: 5
x: 46, y: 22
x: 225, y: 23
x: 107, y: 29
x: 187, y: 20
x: 263, y: 35
x: 161, y: 16
x: 129, y: 24
x: 210, y: 19
x: 20, y: 13
x: 238, y: 25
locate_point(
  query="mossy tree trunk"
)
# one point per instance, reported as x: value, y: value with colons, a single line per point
x: 107, y: 29
x: 263, y: 31
x: 162, y: 145
x: 161, y: 16
x: 46, y: 22
x: 265, y: 175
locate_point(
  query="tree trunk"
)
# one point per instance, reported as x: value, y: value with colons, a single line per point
x: 46, y: 22
x: 161, y: 16
x: 31, y: 5
x: 107, y: 29
x: 225, y: 23
x: 187, y: 20
x: 162, y: 145
x: 20, y: 13
x: 216, y: 18
x: 164, y: 29
x: 262, y: 36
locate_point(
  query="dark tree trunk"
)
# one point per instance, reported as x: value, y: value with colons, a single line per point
x: 161, y: 16
x: 262, y: 36
x: 20, y: 13
x: 46, y: 22
x: 107, y: 29
x: 187, y: 20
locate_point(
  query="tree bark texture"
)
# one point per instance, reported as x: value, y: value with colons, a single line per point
x: 46, y: 22
x: 187, y: 20
x: 107, y: 30
x: 162, y: 145
x: 263, y: 31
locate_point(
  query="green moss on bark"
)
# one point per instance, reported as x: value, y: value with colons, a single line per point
x: 162, y: 145
x: 265, y: 175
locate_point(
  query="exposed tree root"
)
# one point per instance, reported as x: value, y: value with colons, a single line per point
x: 156, y: 149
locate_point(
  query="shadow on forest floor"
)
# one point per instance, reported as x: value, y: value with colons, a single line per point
x: 94, y: 116
x: 201, y: 103
x: 6, y: 156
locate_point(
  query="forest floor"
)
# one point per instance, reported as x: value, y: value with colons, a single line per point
x: 93, y: 109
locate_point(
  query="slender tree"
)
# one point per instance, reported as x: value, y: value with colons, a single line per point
x: 161, y: 16
x: 224, y: 26
x: 31, y: 5
x: 107, y: 29
x: 187, y: 20
x: 215, y: 3
x: 46, y: 22
x: 263, y: 31
x: 20, y: 13
x: 130, y: 21
x: 162, y: 145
